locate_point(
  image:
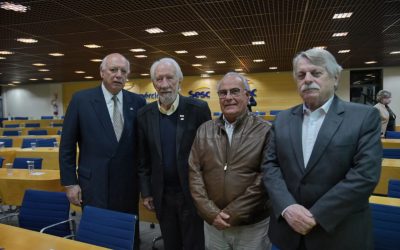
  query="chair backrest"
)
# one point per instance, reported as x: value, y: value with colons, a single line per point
x: 216, y: 113
x: 8, y: 142
x: 40, y: 142
x: 43, y: 208
x: 10, y: 132
x: 20, y: 118
x: 386, y: 226
x: 46, y: 117
x: 1, y: 162
x: 59, y: 132
x: 20, y: 162
x: 37, y: 132
x: 107, y: 228
x: 11, y: 125
x: 394, y: 188
x: 391, y: 153
x: 57, y: 124
x: 32, y: 125
x: 274, y: 112
x: 392, y: 135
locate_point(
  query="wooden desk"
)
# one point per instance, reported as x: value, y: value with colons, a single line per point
x: 384, y: 200
x: 8, y: 154
x: 390, y: 170
x: 269, y: 117
x: 24, y: 131
x: 12, y: 187
x: 15, y: 238
x: 49, y: 155
x: 390, y: 143
x: 43, y: 123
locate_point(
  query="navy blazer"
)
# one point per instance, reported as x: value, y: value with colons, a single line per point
x: 191, y: 114
x: 107, y: 169
x: 341, y: 174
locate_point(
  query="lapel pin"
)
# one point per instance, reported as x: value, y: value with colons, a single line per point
x: 182, y: 117
x: 130, y: 108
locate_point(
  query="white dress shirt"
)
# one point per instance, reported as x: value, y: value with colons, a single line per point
x: 110, y: 102
x: 229, y: 127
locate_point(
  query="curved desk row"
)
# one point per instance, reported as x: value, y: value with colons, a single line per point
x: 43, y: 123
x: 49, y: 156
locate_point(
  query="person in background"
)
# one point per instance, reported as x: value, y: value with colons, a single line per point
x: 323, y: 163
x: 167, y: 128
x: 252, y: 103
x: 102, y: 122
x: 388, y: 118
x: 225, y: 172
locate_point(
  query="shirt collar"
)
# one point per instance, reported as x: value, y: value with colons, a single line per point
x: 108, y: 95
x: 324, y: 108
x: 172, y: 109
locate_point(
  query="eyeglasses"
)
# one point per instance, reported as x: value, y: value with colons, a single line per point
x: 223, y: 93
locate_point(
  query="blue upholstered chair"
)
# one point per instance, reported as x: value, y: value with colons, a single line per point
x: 57, y: 124
x: 32, y: 125
x: 1, y: 163
x: 20, y: 162
x: 46, y: 117
x: 107, y: 228
x: 394, y: 188
x: 386, y: 226
x: 274, y: 112
x: 59, y: 132
x: 39, y: 209
x: 21, y: 118
x: 38, y: 132
x: 11, y: 125
x: 8, y: 142
x: 40, y: 142
x: 392, y: 135
x: 216, y: 113
x: 391, y: 153
x: 11, y: 133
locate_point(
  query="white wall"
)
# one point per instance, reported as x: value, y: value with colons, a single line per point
x: 391, y: 82
x: 33, y: 101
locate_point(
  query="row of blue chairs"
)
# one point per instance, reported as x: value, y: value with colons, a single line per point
x: 30, y: 132
x: 21, y: 162
x: 392, y: 135
x: 26, y: 142
x: 48, y: 212
x: 30, y: 125
x: 44, y: 117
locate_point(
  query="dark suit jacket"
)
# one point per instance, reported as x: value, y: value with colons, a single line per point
x: 341, y: 174
x: 107, y: 172
x: 191, y: 114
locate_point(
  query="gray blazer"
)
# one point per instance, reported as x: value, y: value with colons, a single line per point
x: 341, y: 174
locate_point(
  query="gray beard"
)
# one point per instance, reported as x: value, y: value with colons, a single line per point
x: 168, y: 100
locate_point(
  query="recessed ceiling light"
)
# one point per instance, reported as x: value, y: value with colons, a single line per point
x: 154, y: 30
x: 197, y: 65
x: 56, y: 54
x: 204, y: 75
x: 181, y: 51
x: 394, y: 52
x: 343, y: 51
x: 2, y: 58
x: 11, y: 84
x: 258, y: 42
x: 47, y: 79
x: 137, y: 50
x: 273, y: 68
x: 27, y: 40
x: 95, y: 60
x: 209, y: 71
x: 220, y: 62
x: 33, y: 79
x: 88, y: 77
x: 371, y: 62
x: 320, y: 47
x: 14, y: 7
x: 141, y: 56
x: 144, y: 74
x: 190, y: 33
x: 43, y: 70
x: 238, y: 70
x: 258, y: 60
x: 80, y: 72
x: 340, y: 34
x: 6, y: 52
x: 201, y: 56
x: 38, y: 64
x: 92, y: 46
x: 342, y: 15
x: 16, y: 82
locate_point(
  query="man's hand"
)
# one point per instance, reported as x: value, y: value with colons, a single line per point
x: 74, y: 194
x: 148, y: 203
x: 299, y: 218
x: 220, y: 221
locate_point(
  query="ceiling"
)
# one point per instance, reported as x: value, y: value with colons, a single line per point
x: 226, y: 30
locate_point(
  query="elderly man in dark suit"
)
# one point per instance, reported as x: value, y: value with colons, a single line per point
x: 102, y: 121
x: 322, y: 164
x: 167, y: 129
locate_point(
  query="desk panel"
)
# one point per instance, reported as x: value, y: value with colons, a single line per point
x: 390, y: 170
x: 24, y: 131
x: 49, y: 155
x: 390, y: 143
x: 8, y: 154
x: 17, y: 140
x: 43, y: 123
x: 384, y: 200
x: 15, y: 238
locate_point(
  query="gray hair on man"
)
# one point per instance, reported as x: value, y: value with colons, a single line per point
x: 103, y: 62
x: 383, y: 94
x: 167, y: 60
x: 243, y: 79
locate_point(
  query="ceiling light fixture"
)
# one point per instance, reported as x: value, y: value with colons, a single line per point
x: 56, y: 54
x: 2, y: 58
x: 273, y: 68
x: 342, y: 15
x: 190, y: 33
x: 96, y: 60
x: 27, y: 40
x: 210, y: 71
x: 38, y: 64
x: 14, y: 7
x: 320, y: 47
x: 47, y: 79
x: 137, y: 50
x: 154, y: 30
x: 33, y: 79
x: 197, y: 65
x: 16, y: 82
x: 238, y: 70
x: 6, y: 52
x: 258, y: 60
x: 220, y: 62
x: 340, y: 34
x: 80, y: 72
x: 141, y: 56
x: 258, y: 42
x: 88, y: 77
x: 371, y: 62
x: 43, y: 70
x: 201, y: 56
x: 343, y: 51
x: 204, y: 75
x: 144, y: 74
x: 92, y: 46
x: 11, y: 84
x: 394, y: 52
x: 181, y: 51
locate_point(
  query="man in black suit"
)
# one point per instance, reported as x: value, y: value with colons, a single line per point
x: 102, y: 121
x: 167, y: 129
x: 322, y: 164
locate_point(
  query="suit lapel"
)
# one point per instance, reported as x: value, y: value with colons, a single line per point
x: 296, y: 135
x: 328, y: 129
x: 129, y: 112
x: 100, y: 107
x: 155, y: 121
x: 181, y: 122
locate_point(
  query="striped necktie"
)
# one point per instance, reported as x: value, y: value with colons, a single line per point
x: 118, y: 122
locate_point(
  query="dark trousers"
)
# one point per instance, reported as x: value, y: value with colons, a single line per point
x: 181, y: 227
